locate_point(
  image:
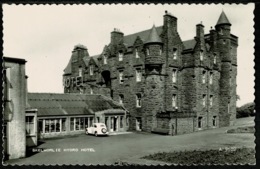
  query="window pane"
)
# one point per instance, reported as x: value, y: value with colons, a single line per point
x: 63, y: 121
x: 47, y: 125
x: 81, y: 123
x: 53, y: 125
x: 57, y: 121
x: 72, y: 124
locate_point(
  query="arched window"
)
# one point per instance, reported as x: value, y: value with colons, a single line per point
x: 204, y: 100
x: 121, y: 80
x: 120, y: 55
x: 80, y: 71
x: 147, y: 51
x: 175, y: 53
x: 105, y: 59
x: 204, y: 73
x: 215, y: 58
x: 201, y: 55
x: 138, y: 100
x: 91, y: 70
x: 174, y: 75
x: 138, y: 75
x: 121, y: 99
x: 136, y: 53
x: 174, y: 100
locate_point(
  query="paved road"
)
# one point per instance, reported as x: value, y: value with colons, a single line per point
x: 130, y: 147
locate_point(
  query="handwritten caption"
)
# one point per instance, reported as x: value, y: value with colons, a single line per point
x: 58, y: 150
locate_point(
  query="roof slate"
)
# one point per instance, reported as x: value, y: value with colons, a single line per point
x: 53, y: 104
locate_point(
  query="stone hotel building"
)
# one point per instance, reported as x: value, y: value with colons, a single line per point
x: 167, y: 85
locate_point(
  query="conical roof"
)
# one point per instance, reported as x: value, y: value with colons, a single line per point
x: 223, y: 19
x: 153, y: 36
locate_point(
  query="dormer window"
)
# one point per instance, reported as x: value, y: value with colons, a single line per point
x: 105, y: 59
x: 120, y: 56
x: 121, y: 80
x: 175, y: 53
x: 91, y: 70
x: 137, y: 53
x: 147, y: 51
x: 80, y: 71
x: 201, y: 55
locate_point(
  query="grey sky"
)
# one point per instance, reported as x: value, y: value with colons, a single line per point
x: 45, y: 35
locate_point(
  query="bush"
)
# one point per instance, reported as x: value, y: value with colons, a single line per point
x: 246, y: 110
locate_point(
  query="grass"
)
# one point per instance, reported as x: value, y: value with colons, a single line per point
x: 221, y: 156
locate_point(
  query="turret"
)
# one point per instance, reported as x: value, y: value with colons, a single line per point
x: 154, y: 86
x: 227, y: 102
x: 153, y: 49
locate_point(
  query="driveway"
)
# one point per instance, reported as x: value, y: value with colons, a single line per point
x: 86, y: 149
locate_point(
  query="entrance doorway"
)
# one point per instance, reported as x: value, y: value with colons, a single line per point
x: 138, y: 123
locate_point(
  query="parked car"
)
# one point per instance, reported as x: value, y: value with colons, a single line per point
x: 97, y: 129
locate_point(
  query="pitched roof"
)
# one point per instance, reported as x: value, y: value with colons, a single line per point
x: 53, y: 104
x: 153, y: 36
x: 223, y: 19
x: 189, y: 44
x: 130, y: 39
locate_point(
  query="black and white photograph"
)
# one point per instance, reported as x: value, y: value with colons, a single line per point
x: 128, y: 84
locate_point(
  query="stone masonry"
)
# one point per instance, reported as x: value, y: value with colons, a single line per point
x: 166, y: 84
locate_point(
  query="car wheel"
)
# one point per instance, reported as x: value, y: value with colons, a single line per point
x: 96, y: 134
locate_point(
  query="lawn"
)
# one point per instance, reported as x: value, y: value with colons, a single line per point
x: 220, y: 156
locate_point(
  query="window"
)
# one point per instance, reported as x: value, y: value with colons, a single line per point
x: 120, y: 56
x: 121, y: 99
x: 204, y: 77
x: 105, y: 59
x: 121, y: 80
x: 91, y: 90
x: 47, y: 126
x: 30, y: 125
x: 63, y: 124
x: 174, y: 101
x: 199, y: 122
x: 86, y: 122
x: 77, y: 123
x: 160, y: 51
x: 138, y: 75
x: 138, y: 100
x: 40, y: 125
x: 175, y: 53
x: 91, y: 70
x: 137, y: 53
x: 211, y: 100
x: 201, y: 55
x: 215, y: 58
x: 174, y: 75
x: 210, y: 77
x: 214, y: 121
x: 121, y: 121
x: 147, y: 51
x: 81, y: 90
x: 204, y: 100
x: 80, y: 71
